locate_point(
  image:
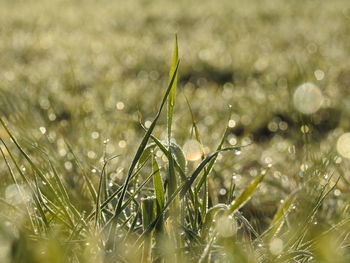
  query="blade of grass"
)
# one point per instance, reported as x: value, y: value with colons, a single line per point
x: 158, y: 183
x: 172, y: 93
x: 246, y: 194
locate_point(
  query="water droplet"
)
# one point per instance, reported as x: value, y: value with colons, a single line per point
x: 283, y: 126
x: 120, y: 105
x: 304, y: 167
x: 148, y: 124
x: 304, y: 129
x: 272, y: 126
x: 338, y: 159
x: 106, y: 141
x: 42, y: 130
x: 337, y: 192
x: 231, y: 123
x: 233, y: 140
x: 291, y: 149
x: 238, y: 152
x: 307, y: 98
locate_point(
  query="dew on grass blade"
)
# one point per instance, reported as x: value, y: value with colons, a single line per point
x: 148, y: 124
x: 343, y: 145
x: 193, y: 150
x: 307, y: 98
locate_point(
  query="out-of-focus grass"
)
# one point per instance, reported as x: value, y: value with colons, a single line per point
x: 77, y: 77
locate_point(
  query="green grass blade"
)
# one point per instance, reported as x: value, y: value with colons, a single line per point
x: 246, y: 194
x: 172, y: 94
x: 158, y: 183
x: 200, y: 168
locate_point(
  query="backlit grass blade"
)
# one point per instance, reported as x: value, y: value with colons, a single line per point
x: 246, y: 194
x: 201, y: 166
x: 278, y: 219
x: 172, y: 94
x: 158, y: 183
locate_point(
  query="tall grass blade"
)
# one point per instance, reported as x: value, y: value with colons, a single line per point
x: 172, y: 94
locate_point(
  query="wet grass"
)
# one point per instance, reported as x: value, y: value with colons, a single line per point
x: 112, y: 153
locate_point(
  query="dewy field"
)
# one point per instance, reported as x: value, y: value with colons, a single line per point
x: 174, y: 131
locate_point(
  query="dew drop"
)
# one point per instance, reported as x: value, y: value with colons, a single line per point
x: 42, y: 130
x: 120, y: 105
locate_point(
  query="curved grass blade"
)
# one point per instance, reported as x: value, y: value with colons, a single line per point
x: 201, y: 166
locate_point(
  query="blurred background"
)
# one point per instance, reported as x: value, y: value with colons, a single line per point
x: 88, y: 72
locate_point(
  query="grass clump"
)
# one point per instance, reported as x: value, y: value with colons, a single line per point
x: 169, y: 212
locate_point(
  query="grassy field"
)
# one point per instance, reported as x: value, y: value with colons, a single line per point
x: 112, y: 151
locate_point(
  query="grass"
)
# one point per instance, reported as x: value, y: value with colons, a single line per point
x: 109, y: 156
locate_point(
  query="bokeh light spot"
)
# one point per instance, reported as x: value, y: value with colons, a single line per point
x: 343, y: 145
x: 193, y: 150
x: 307, y: 98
